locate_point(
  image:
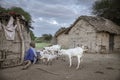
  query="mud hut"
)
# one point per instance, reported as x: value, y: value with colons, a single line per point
x: 14, y: 39
x: 97, y: 33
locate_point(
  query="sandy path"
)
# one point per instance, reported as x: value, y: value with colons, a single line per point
x: 93, y: 67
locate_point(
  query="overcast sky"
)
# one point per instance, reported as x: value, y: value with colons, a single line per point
x: 50, y: 15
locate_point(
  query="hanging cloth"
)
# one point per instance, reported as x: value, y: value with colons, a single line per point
x: 10, y: 29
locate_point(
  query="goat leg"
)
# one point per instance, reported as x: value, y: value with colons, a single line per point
x: 78, y: 62
x: 70, y: 61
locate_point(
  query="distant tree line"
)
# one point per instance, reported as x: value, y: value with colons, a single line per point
x: 44, y: 38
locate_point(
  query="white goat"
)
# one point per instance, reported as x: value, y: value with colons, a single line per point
x: 47, y: 56
x: 78, y: 52
x: 53, y: 49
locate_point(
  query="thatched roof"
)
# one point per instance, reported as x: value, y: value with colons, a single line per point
x: 61, y: 30
x: 4, y: 17
x: 100, y: 24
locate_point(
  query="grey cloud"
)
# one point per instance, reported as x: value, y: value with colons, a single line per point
x: 59, y: 2
x: 52, y: 11
x: 85, y: 2
x: 62, y: 11
x: 44, y: 28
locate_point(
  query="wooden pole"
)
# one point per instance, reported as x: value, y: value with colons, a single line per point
x: 22, y: 40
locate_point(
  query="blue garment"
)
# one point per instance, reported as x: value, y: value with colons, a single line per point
x: 35, y: 54
x: 30, y: 55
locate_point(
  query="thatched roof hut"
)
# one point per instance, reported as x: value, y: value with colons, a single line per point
x: 99, y: 23
x: 14, y: 39
x: 97, y: 33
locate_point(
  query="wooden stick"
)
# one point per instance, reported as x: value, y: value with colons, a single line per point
x: 22, y: 41
x: 47, y: 71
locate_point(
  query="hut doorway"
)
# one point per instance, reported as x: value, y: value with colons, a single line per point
x: 111, y: 42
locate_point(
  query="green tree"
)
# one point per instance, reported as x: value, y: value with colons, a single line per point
x: 22, y: 12
x: 2, y: 9
x: 17, y: 10
x: 47, y: 37
x: 32, y: 35
x: 44, y: 38
x: 109, y: 9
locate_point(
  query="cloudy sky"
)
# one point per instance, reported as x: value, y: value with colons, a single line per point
x: 50, y: 15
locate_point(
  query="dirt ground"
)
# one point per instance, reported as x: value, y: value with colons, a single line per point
x: 93, y: 67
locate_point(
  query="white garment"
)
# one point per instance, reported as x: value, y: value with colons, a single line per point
x: 10, y: 29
